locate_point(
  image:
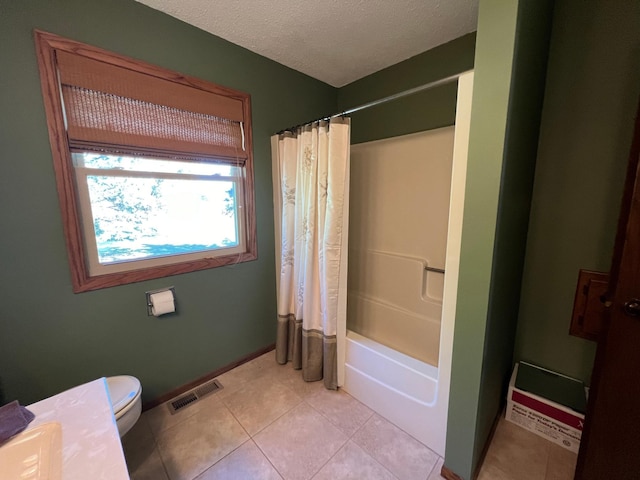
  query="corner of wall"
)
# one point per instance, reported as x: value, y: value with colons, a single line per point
x: 505, y: 118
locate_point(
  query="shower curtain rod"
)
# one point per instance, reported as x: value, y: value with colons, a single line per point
x: 373, y: 103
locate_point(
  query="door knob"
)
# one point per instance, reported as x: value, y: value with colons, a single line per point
x: 632, y: 307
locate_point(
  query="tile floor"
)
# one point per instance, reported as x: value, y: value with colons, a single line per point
x: 517, y: 454
x: 268, y: 424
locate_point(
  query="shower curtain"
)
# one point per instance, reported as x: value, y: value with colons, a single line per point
x: 311, y: 200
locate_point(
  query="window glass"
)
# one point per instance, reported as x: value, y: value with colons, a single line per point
x: 140, y: 208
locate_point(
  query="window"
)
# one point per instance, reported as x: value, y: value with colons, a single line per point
x: 139, y: 211
x: 154, y: 169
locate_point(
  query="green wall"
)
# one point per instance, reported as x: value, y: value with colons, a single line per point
x: 52, y: 339
x: 510, y: 64
x: 423, y: 111
x: 593, y: 85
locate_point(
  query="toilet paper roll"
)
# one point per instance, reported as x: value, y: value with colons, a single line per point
x: 162, y: 302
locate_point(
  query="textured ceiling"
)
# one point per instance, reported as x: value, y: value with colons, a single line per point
x: 336, y: 41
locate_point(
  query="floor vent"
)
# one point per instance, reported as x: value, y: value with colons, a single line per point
x: 193, y: 396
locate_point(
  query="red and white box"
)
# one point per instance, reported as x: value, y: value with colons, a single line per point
x: 550, y: 420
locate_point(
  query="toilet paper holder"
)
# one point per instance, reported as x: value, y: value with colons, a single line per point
x: 151, y: 292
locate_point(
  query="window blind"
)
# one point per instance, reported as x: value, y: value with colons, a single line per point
x: 113, y: 108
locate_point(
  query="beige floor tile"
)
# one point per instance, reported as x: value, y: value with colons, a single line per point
x: 279, y: 373
x: 300, y: 442
x: 395, y: 449
x: 491, y: 472
x: 293, y: 379
x: 517, y: 452
x: 237, y: 378
x: 265, y: 361
x: 141, y: 453
x: 190, y: 447
x: 260, y: 402
x: 435, y: 473
x: 139, y: 436
x: 266, y: 366
x: 344, y: 411
x: 149, y: 467
x: 561, y: 464
x: 247, y: 462
x: 352, y: 463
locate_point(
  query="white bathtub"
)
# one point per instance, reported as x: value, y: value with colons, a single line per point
x: 396, y: 386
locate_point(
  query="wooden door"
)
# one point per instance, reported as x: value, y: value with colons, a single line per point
x: 610, y: 447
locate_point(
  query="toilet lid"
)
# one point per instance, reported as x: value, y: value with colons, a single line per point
x: 123, y: 390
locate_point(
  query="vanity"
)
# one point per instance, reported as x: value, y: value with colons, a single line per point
x: 91, y: 447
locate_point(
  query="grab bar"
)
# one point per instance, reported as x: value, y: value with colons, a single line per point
x: 433, y: 269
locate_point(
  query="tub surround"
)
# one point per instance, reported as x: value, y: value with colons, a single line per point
x: 417, y: 390
x: 392, y: 300
x: 90, y: 442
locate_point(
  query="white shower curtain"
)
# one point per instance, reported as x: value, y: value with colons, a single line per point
x: 311, y: 200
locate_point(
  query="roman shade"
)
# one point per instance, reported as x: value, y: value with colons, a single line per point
x: 112, y: 108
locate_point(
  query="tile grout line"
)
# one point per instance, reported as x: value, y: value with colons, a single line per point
x: 330, y: 458
x: 156, y: 448
x: 278, y: 417
x: 270, y: 423
x: 268, y: 459
x: 220, y: 459
x: 241, y: 426
x: 302, y: 400
x: 251, y: 437
x: 237, y: 420
x: 350, y: 438
x: 331, y: 421
x: 434, y: 467
x: 221, y: 402
x: 370, y: 454
x: 164, y: 467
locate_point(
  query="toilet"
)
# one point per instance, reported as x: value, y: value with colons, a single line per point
x: 125, y: 392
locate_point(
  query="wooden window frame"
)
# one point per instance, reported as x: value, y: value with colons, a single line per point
x: 47, y: 45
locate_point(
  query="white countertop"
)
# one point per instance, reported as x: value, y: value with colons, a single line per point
x: 91, y: 447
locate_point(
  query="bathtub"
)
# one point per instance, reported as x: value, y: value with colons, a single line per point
x: 392, y: 346
x: 399, y: 387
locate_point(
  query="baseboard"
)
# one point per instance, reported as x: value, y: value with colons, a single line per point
x: 449, y: 474
x: 209, y: 376
x: 487, y: 444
